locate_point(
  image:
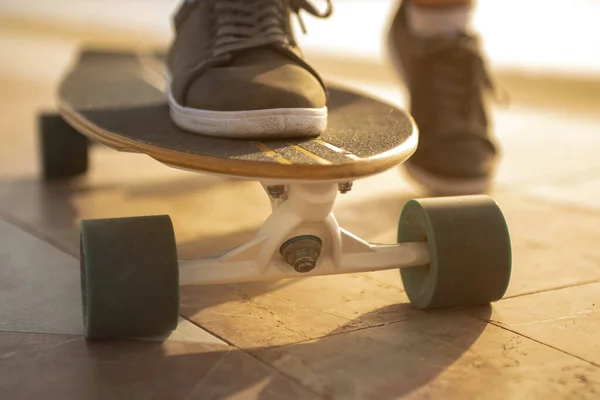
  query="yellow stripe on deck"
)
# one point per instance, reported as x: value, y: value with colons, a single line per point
x: 344, y: 152
x: 275, y: 156
x: 312, y: 155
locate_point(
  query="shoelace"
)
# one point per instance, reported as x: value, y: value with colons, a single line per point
x: 305, y: 5
x: 242, y: 24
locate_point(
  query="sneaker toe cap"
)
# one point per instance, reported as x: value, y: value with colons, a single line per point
x: 256, y: 87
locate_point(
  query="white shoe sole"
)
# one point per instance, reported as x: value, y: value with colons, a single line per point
x: 268, y: 123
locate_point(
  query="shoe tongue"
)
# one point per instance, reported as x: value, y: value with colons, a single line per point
x: 259, y: 55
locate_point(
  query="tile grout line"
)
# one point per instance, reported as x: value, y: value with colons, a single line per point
x: 538, y: 341
x: 206, y: 376
x: 405, y: 319
x: 74, y: 335
x: 272, y: 367
x: 191, y: 321
x: 25, y: 227
x: 346, y: 332
x: 516, y: 296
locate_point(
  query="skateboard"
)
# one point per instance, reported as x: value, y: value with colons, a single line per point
x: 451, y: 251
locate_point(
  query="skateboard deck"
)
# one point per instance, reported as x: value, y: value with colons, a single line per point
x: 118, y: 99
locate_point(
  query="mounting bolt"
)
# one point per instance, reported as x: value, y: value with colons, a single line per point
x: 345, y: 187
x: 302, y: 252
x: 276, y: 191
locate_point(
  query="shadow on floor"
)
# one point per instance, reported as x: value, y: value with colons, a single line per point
x: 386, y: 362
x: 389, y: 361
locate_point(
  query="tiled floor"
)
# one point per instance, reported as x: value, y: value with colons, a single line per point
x: 343, y: 337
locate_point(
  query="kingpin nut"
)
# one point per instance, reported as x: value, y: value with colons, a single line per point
x: 302, y: 252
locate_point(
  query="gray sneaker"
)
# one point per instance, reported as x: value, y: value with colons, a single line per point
x: 236, y: 70
x: 447, y: 81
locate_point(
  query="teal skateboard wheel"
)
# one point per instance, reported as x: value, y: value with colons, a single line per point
x: 470, y: 251
x: 64, y: 151
x: 129, y: 277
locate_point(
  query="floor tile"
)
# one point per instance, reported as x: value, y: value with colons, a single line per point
x: 443, y: 355
x: 57, y: 367
x: 39, y: 285
x: 552, y: 246
x: 580, y: 193
x: 272, y: 314
x: 567, y: 319
x: 538, y: 147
